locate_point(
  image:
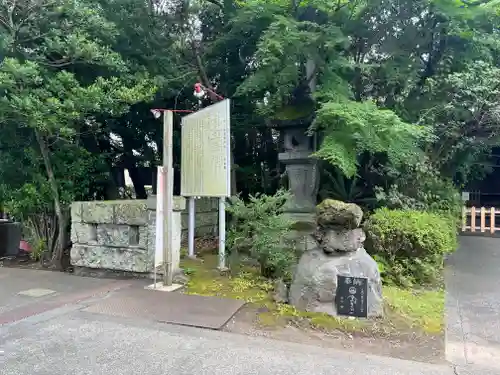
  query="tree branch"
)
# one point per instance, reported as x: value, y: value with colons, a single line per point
x: 215, y: 2
x: 4, y: 23
x: 203, y: 73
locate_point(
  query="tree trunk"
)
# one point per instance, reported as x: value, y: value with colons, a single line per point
x: 60, y: 214
x: 135, y: 176
x: 111, y: 191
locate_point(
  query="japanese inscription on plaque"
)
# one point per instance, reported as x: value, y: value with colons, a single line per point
x: 351, y: 295
x: 205, y: 152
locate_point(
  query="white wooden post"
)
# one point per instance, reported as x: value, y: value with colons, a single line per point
x: 191, y: 226
x: 168, y: 196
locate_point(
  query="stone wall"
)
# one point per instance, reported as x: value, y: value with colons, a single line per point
x: 118, y: 235
x: 206, y: 220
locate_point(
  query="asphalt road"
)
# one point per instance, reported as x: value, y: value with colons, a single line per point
x: 67, y: 341
x: 473, y: 305
x: 48, y: 334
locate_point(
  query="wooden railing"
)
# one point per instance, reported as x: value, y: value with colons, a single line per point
x: 486, y: 217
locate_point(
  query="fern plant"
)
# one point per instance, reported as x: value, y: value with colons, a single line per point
x: 350, y: 128
x: 334, y: 184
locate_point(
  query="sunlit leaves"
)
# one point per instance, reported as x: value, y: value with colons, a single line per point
x: 352, y: 128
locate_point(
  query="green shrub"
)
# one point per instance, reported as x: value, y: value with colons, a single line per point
x: 39, y: 248
x: 258, y: 229
x: 410, y: 245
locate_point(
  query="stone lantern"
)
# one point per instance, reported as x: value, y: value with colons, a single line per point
x: 301, y: 170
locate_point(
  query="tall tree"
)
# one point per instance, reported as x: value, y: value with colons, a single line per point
x: 47, y: 44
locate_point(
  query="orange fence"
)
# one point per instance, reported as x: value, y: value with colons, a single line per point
x: 479, y: 220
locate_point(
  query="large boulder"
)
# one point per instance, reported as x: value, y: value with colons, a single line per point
x: 315, y: 280
x: 333, y: 240
x: 333, y: 214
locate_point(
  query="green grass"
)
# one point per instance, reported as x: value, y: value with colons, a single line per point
x: 422, y: 309
x: 406, y: 311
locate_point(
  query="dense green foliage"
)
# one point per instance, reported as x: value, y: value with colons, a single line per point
x: 410, y: 245
x: 382, y: 84
x: 420, y: 187
x: 259, y: 229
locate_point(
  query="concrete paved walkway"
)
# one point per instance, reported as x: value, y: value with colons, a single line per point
x: 61, y: 338
x: 24, y: 293
x: 73, y: 342
x: 473, y: 306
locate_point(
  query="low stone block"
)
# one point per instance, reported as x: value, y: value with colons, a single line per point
x: 131, y: 212
x: 114, y: 235
x: 98, y: 212
x: 179, y: 203
x: 119, y: 235
x: 201, y: 219
x: 82, y: 233
x: 151, y: 231
x: 76, y: 212
x: 123, y: 259
x: 314, y: 283
x: 207, y: 205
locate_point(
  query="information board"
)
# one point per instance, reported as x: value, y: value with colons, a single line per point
x: 205, y: 152
x: 351, y: 295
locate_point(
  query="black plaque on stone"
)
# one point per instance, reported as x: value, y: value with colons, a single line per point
x: 350, y: 299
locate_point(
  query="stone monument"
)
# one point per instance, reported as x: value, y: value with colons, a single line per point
x: 338, y: 251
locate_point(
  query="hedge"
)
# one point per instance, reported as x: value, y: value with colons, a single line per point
x: 410, y: 245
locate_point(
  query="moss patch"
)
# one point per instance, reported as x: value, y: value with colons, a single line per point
x: 407, y: 312
x: 420, y: 309
x: 205, y: 280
